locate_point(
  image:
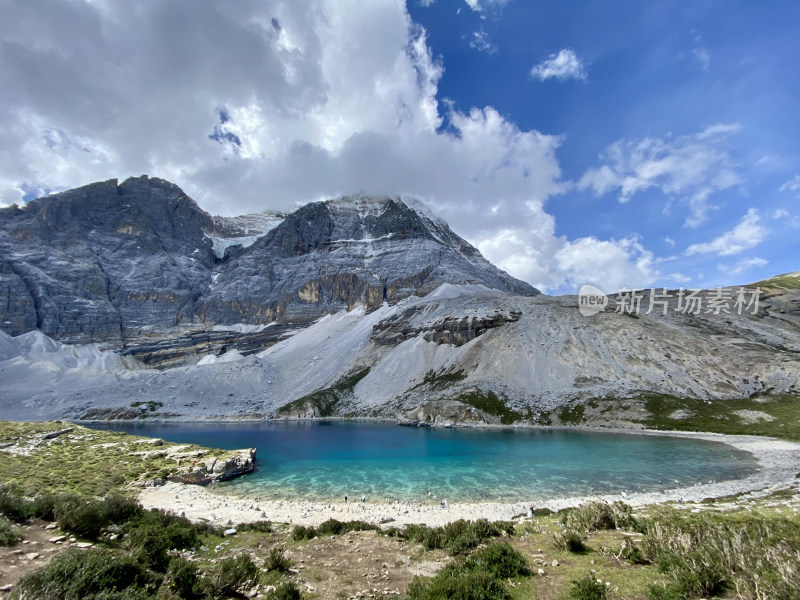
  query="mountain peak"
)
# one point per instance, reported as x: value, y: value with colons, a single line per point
x: 112, y: 262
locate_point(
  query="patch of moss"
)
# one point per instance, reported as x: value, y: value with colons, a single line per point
x: 150, y: 405
x: 83, y: 461
x: 489, y: 403
x: 347, y: 384
x: 571, y: 415
x: 785, y: 282
x: 326, y: 399
x: 718, y: 416
x: 439, y: 381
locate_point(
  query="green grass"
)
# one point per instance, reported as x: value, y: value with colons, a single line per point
x: 84, y: 461
x: 330, y: 527
x: 8, y: 533
x: 489, y: 403
x: 326, y: 399
x: 571, y: 415
x: 718, y: 417
x: 485, y: 575
x: 457, y: 537
x: 785, y: 282
x: 440, y: 381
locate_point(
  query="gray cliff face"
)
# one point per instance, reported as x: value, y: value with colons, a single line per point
x: 103, y: 263
x: 341, y: 254
x: 132, y: 264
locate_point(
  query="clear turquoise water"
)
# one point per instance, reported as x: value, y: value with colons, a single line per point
x: 331, y: 459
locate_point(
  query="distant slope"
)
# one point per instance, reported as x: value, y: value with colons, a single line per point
x: 461, y: 354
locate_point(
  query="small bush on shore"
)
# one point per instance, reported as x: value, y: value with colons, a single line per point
x: 12, y: 506
x: 81, y: 517
x: 257, y: 526
x: 569, y: 541
x: 93, y: 573
x: 501, y: 560
x: 707, y: 554
x: 483, y: 576
x: 8, y: 534
x: 43, y: 507
x: 588, y: 588
x: 277, y: 561
x: 330, y: 527
x: 596, y: 516
x: 457, y: 537
x: 232, y: 574
x: 183, y: 581
x: 286, y: 591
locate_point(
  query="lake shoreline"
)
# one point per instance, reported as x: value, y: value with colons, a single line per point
x: 778, y: 460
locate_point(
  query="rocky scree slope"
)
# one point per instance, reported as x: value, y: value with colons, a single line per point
x: 139, y: 267
x: 460, y: 355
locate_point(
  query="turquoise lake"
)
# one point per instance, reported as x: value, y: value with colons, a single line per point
x: 317, y: 460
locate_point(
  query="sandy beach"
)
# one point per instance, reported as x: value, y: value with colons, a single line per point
x: 779, y: 463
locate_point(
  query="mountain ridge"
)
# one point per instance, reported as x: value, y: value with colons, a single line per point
x: 122, y: 263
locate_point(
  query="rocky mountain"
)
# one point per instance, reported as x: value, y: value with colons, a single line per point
x: 461, y: 354
x: 138, y: 266
x: 352, y: 307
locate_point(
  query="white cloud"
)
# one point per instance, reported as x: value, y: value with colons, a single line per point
x: 680, y: 278
x: 748, y: 233
x: 669, y: 241
x: 780, y: 213
x: 792, y: 185
x: 290, y: 103
x: 480, y: 42
x: 703, y: 57
x: 562, y: 66
x: 742, y: 265
x: 481, y: 5
x: 690, y: 168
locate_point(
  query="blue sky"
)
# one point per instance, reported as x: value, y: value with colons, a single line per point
x: 658, y: 70
x: 623, y: 144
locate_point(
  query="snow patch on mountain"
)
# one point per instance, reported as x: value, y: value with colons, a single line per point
x: 229, y: 356
x: 244, y: 230
x: 244, y: 327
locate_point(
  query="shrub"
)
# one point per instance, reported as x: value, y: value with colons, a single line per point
x: 286, y: 591
x: 119, y: 509
x: 301, y: 532
x: 588, y: 588
x: 570, y: 541
x: 180, y: 531
x: 232, y: 574
x: 8, y: 534
x: 150, y: 545
x: 12, y: 506
x: 664, y: 592
x: 154, y: 533
x: 706, y: 554
x: 84, y: 518
x: 257, y: 526
x: 78, y: 574
x: 183, y: 580
x: 595, y: 516
x: 501, y: 560
x: 459, y: 584
x: 277, y: 560
x: 479, y: 577
x: 44, y: 506
x: 330, y: 527
x: 457, y: 537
